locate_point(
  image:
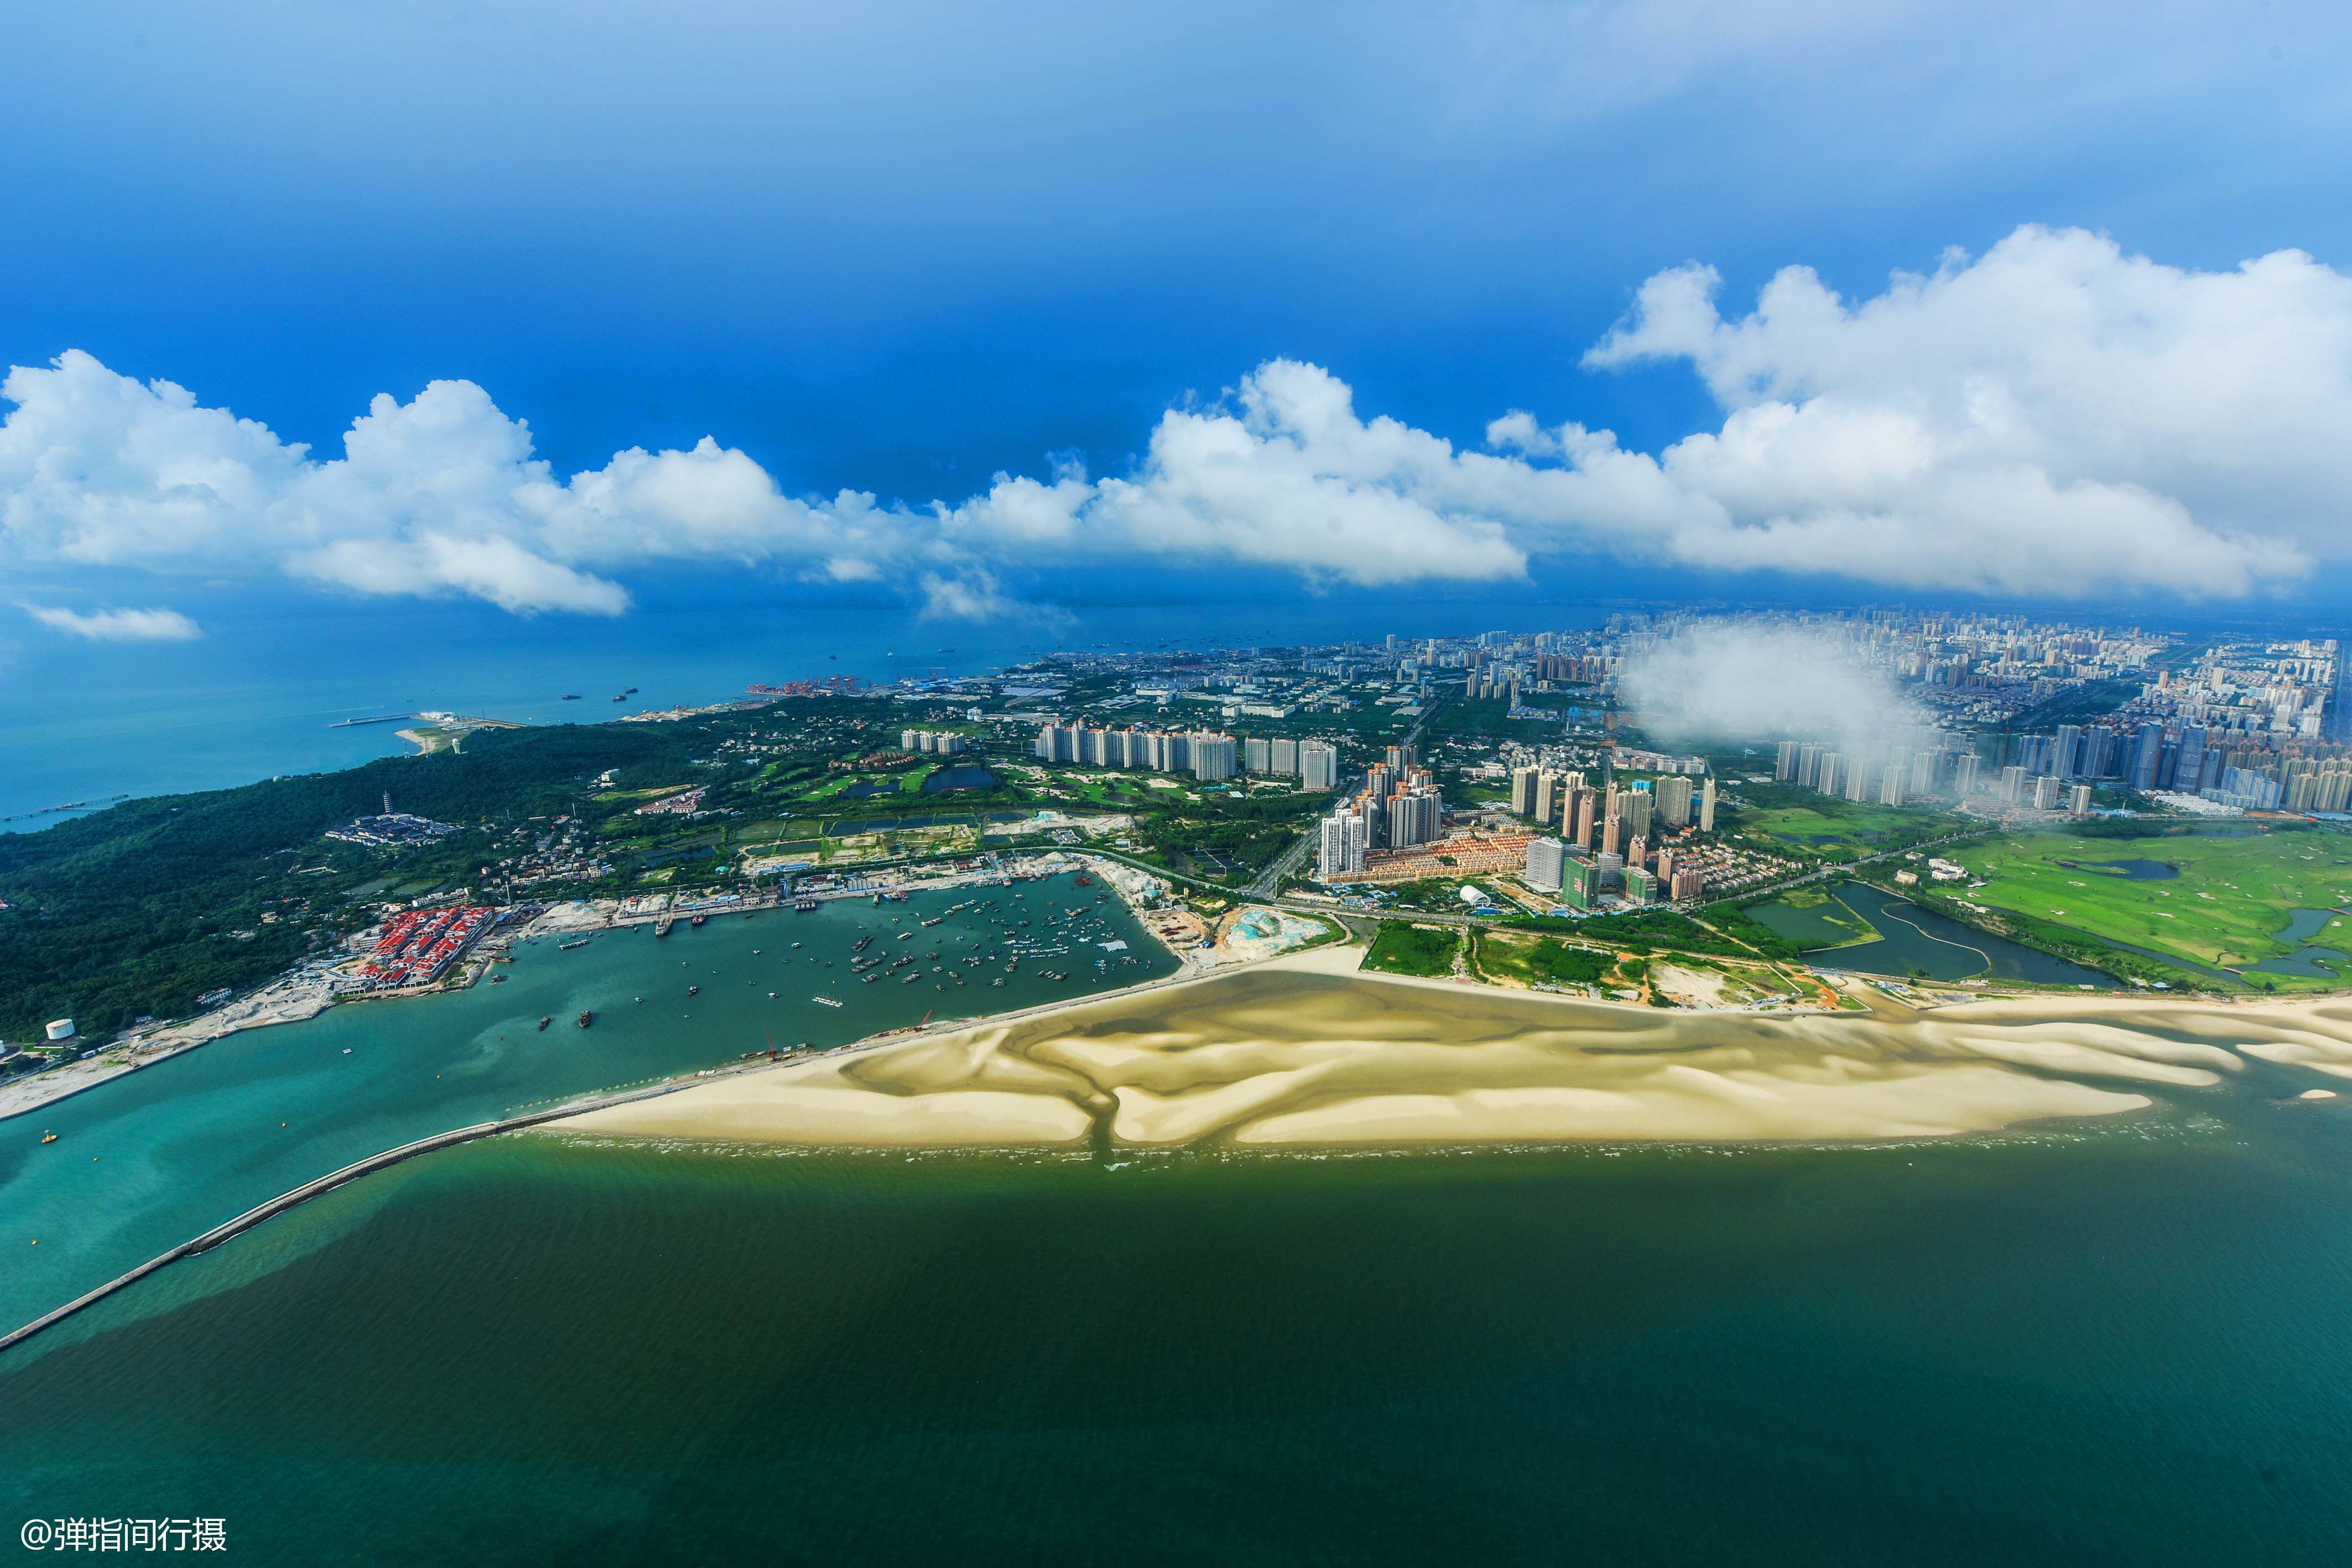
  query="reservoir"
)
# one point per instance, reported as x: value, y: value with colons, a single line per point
x: 149, y: 1160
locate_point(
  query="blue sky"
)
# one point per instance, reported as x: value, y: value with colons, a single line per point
x: 901, y: 250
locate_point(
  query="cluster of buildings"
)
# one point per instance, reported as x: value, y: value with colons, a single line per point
x: 927, y: 742
x: 418, y: 945
x: 1399, y: 808
x: 1209, y: 756
x: 393, y: 829
x: 684, y: 803
x: 1889, y: 777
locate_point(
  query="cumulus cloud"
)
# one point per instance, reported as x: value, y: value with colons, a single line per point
x: 1732, y: 680
x: 2055, y: 418
x: 117, y: 625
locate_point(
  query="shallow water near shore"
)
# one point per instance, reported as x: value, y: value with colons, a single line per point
x: 151, y: 1159
x: 2120, y: 1344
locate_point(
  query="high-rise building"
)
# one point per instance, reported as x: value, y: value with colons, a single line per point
x: 1828, y: 772
x: 1706, y: 805
x: 2012, y: 784
x: 2148, y: 756
x: 1257, y: 756
x: 1613, y: 835
x: 1576, y: 888
x: 1784, y: 762
x: 1608, y: 869
x: 1523, y: 791
x: 1638, y: 885
x: 1213, y: 755
x: 1637, y: 806
x: 2065, y: 756
x: 1890, y: 783
x: 2188, y: 772
x: 2045, y: 792
x: 1339, y: 848
x: 1857, y: 781
x: 1964, y: 774
x: 1282, y: 756
x: 1809, y: 766
x: 1319, y: 764
x: 1674, y: 797
x: 1637, y: 850
x: 1689, y: 884
x: 1586, y: 804
x: 2079, y: 802
x: 1548, y: 797
x: 1546, y: 859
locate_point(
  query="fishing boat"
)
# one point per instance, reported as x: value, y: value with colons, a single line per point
x: 498, y: 979
x: 585, y: 1018
x: 698, y: 920
x: 694, y: 991
x: 48, y: 1137
x: 824, y: 1001
x: 661, y: 927
x: 544, y: 1022
x: 863, y: 943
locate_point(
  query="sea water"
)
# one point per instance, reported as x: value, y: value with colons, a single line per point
x: 2118, y: 1345
x: 158, y: 1157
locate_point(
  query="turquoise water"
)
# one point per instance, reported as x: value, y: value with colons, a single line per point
x: 149, y: 1160
x: 2123, y: 1346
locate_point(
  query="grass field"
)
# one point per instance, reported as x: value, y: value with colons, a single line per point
x: 1539, y: 960
x: 2226, y: 905
x: 1402, y: 948
x: 1786, y: 820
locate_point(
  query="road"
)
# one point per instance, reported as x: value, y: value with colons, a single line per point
x: 1287, y: 862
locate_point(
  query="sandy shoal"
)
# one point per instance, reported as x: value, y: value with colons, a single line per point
x: 1302, y: 1052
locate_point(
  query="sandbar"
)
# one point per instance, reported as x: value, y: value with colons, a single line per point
x: 1300, y: 1053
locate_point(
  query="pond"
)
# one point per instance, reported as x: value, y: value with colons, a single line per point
x: 1915, y: 941
x: 2308, y: 962
x: 964, y: 776
x: 2129, y: 871
x: 869, y: 787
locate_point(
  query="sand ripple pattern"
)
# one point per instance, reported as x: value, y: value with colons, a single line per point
x: 1291, y: 1059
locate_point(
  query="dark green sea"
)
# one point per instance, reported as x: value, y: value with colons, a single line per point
x: 2126, y: 1344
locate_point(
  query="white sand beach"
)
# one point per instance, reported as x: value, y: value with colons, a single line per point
x: 1301, y: 1052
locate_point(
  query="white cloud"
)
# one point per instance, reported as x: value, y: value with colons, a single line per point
x: 117, y: 625
x: 2054, y: 418
x: 1740, y: 681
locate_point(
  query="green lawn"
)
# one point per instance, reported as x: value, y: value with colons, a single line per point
x: 2232, y: 898
x: 1833, y: 830
x: 1402, y: 948
x: 1538, y: 960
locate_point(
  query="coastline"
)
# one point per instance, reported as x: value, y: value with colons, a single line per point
x: 1305, y: 1052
